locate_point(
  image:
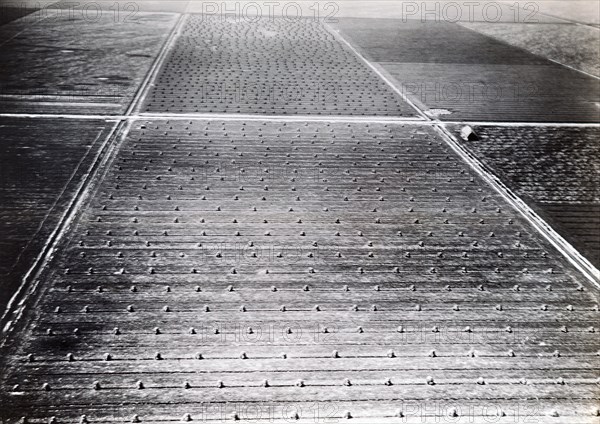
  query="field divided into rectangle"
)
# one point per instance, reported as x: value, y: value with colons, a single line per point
x: 555, y: 170
x: 269, y: 67
x: 65, y: 62
x: 355, y: 267
x: 42, y: 164
x: 453, y: 73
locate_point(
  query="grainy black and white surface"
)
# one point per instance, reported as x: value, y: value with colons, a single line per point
x: 358, y: 259
x: 236, y: 244
x: 64, y: 63
x: 555, y: 169
x: 42, y: 166
x: 454, y: 73
x: 275, y: 68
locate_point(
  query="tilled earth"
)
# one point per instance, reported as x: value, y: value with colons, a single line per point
x: 556, y: 170
x: 275, y: 68
x: 237, y: 269
x: 267, y: 268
